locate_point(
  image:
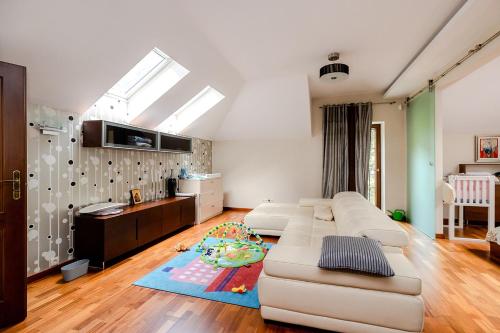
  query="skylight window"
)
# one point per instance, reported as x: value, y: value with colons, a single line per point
x: 145, y: 83
x: 154, y: 88
x: 192, y: 110
x: 150, y: 65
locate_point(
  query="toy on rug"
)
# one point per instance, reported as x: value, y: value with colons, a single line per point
x: 181, y: 247
x: 233, y: 247
x: 240, y: 290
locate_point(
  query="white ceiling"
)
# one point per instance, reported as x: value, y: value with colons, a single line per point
x: 475, y: 22
x: 76, y: 50
x: 473, y: 103
x: 376, y: 39
x: 271, y: 108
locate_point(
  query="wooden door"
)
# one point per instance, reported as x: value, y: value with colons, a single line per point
x: 12, y: 193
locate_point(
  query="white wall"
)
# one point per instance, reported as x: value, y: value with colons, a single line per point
x: 395, y: 153
x: 282, y: 170
x: 285, y: 170
x: 470, y: 107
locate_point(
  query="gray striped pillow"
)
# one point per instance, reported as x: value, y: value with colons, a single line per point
x: 354, y: 253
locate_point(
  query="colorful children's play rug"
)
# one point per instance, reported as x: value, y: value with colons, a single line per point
x: 186, y: 274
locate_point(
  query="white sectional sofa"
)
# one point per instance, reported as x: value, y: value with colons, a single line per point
x: 293, y: 289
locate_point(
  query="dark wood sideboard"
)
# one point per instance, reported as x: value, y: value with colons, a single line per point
x: 480, y: 214
x: 102, y: 238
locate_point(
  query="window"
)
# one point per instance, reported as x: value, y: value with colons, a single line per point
x: 150, y: 65
x: 147, y: 81
x: 154, y: 89
x: 375, y: 167
x: 192, y: 110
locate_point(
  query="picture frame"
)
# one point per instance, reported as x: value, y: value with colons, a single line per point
x: 135, y: 196
x: 487, y: 149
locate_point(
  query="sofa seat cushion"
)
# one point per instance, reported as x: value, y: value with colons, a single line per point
x: 294, y: 238
x: 300, y: 263
x: 373, y: 310
x: 306, y: 232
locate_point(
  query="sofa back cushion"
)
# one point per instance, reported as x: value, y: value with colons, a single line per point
x: 356, y: 216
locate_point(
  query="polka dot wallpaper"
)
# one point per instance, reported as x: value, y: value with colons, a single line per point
x: 62, y: 176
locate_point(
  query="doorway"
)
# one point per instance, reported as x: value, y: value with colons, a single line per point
x: 375, y: 166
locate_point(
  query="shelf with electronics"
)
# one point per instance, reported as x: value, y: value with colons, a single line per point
x: 106, y: 134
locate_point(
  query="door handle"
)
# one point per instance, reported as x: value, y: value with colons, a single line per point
x: 16, y: 184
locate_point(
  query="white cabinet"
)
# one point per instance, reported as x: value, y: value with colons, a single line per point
x: 209, y: 196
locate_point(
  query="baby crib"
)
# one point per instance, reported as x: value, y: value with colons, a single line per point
x: 471, y: 191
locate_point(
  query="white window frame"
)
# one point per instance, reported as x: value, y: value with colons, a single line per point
x: 173, y: 117
x: 150, y: 74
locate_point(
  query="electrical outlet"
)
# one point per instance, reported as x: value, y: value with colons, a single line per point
x: 267, y: 200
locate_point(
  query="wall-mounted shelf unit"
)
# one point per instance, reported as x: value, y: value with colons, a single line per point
x: 175, y: 143
x: 106, y: 134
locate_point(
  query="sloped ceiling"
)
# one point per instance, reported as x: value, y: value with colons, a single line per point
x: 473, y: 103
x: 376, y: 39
x: 475, y: 22
x: 76, y: 50
x: 270, y: 108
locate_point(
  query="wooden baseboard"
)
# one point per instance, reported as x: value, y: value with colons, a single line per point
x: 246, y: 210
x: 49, y: 271
x: 440, y: 236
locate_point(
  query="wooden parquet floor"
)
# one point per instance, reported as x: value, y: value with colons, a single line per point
x: 461, y: 288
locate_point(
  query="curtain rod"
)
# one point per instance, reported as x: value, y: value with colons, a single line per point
x: 470, y: 53
x: 374, y: 103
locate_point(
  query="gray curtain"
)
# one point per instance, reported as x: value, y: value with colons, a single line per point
x: 336, y: 147
x: 335, y: 150
x: 363, y: 126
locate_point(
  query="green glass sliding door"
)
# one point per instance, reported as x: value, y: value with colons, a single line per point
x: 420, y: 121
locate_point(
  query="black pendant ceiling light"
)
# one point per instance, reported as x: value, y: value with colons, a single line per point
x: 334, y: 72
